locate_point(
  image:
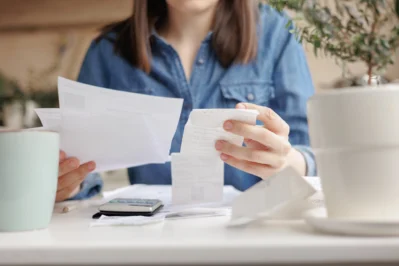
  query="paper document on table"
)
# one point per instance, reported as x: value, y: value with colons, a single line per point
x: 115, y: 129
x: 198, y: 171
x: 169, y: 210
x: 282, y: 191
x: 127, y: 220
x: 164, y: 193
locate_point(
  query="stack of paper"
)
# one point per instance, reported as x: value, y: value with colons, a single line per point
x: 113, y: 128
x: 198, y: 171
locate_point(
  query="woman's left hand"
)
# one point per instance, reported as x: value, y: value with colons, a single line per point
x: 267, y: 147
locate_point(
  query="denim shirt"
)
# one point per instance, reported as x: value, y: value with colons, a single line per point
x: 278, y: 78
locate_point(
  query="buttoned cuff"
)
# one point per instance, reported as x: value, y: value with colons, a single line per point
x: 311, y: 167
x: 90, y: 187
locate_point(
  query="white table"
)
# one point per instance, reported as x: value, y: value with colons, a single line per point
x: 70, y: 240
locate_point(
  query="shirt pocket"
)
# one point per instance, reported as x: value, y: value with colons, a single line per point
x: 259, y: 93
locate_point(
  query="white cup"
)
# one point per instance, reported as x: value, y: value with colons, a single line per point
x: 28, y: 179
x: 354, y: 133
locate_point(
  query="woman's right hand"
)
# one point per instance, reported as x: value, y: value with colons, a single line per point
x: 70, y: 175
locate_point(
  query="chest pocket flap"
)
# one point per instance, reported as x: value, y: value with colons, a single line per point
x: 258, y: 93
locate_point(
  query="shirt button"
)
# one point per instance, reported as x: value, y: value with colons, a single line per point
x: 201, y: 61
x: 250, y: 97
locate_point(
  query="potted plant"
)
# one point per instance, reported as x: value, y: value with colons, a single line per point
x: 11, y: 103
x: 354, y: 131
x: 349, y: 30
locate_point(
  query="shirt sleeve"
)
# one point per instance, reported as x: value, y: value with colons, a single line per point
x: 92, y: 72
x: 293, y: 87
x: 90, y: 187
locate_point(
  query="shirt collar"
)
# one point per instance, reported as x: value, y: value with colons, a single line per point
x: 155, y: 35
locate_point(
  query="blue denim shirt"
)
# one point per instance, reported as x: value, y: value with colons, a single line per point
x: 279, y: 78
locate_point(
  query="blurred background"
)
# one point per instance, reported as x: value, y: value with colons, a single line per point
x: 43, y: 39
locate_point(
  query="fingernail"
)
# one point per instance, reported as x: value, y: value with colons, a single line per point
x: 91, y: 166
x: 241, y: 106
x: 223, y: 156
x: 219, y: 145
x: 228, y: 125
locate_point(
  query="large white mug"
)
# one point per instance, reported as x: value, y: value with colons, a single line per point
x: 28, y: 179
x: 354, y: 133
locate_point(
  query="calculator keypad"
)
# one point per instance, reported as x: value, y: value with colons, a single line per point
x: 140, y: 202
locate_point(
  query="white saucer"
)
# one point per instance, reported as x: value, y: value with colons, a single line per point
x: 318, y: 220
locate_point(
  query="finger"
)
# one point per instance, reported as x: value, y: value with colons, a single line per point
x: 265, y: 137
x: 247, y: 154
x: 62, y: 156
x: 76, y: 175
x: 67, y: 166
x: 270, y: 119
x: 67, y: 191
x: 253, y: 144
x: 260, y: 170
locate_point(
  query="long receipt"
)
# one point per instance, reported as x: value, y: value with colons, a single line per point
x: 115, y: 129
x: 283, y: 194
x: 198, y: 171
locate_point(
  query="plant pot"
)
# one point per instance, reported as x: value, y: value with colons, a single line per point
x: 355, y: 137
x: 13, y: 115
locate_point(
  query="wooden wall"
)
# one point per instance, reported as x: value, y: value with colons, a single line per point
x: 37, y: 36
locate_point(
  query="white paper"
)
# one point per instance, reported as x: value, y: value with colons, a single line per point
x: 198, y: 171
x: 314, y: 181
x: 282, y: 191
x: 199, y: 213
x: 215, y: 118
x: 201, y: 140
x: 164, y: 193
x: 115, y: 129
x: 128, y: 220
x: 50, y: 118
x: 169, y: 210
x: 196, y: 179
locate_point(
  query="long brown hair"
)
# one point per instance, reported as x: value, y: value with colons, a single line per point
x: 234, y: 37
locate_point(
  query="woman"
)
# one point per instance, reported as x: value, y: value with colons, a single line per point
x: 213, y: 54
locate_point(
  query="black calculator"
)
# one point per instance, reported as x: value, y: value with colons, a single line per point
x: 130, y: 207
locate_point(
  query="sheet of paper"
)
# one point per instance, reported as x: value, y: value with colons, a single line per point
x: 164, y: 193
x: 199, y: 213
x: 115, y: 129
x: 196, y: 179
x: 201, y: 140
x: 129, y: 220
x: 78, y: 97
x: 50, y: 118
x: 282, y: 190
x: 205, y: 127
x: 169, y: 211
x: 198, y: 171
x: 215, y: 118
x: 113, y: 142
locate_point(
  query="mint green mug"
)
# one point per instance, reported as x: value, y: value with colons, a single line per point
x: 28, y: 179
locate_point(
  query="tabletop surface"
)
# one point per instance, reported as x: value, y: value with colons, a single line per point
x: 70, y: 240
